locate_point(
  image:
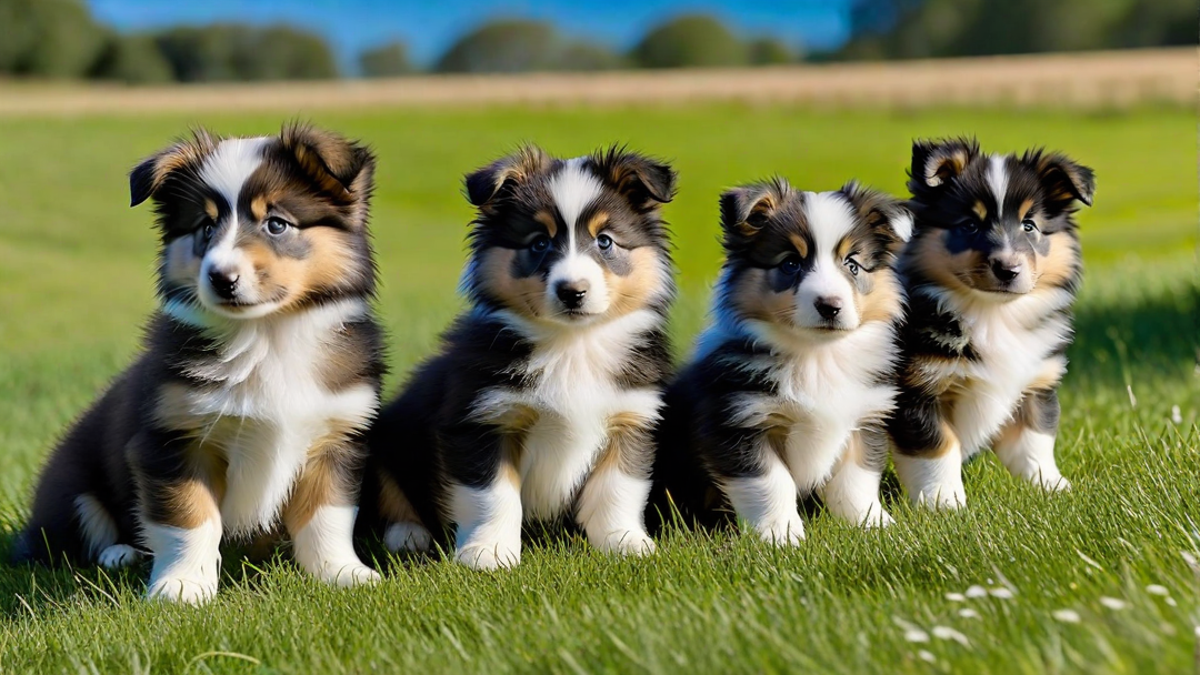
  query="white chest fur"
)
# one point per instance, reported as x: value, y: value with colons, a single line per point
x: 268, y: 406
x: 573, y: 398
x: 1013, y: 342
x: 825, y: 391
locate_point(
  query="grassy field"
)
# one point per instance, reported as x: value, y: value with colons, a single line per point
x: 1097, y: 580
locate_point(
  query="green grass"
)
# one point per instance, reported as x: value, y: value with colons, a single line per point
x: 75, y: 281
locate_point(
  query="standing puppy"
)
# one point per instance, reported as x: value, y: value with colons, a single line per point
x: 545, y: 392
x: 991, y: 275
x: 789, y: 387
x: 260, y: 373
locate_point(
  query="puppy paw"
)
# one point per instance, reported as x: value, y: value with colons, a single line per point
x: 947, y: 499
x: 407, y: 537
x: 782, y: 533
x: 118, y: 556
x: 186, y: 590
x: 877, y: 518
x: 627, y: 542
x: 1052, y: 483
x: 352, y: 574
x: 489, y: 556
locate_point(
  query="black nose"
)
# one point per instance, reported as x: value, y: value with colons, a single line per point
x: 571, y: 293
x: 1005, y: 271
x: 224, y: 285
x: 828, y: 308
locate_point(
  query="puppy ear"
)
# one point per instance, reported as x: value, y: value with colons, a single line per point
x: 645, y: 182
x: 486, y: 186
x: 1063, y: 180
x: 889, y: 219
x: 148, y: 177
x: 745, y: 210
x: 342, y: 169
x: 936, y: 163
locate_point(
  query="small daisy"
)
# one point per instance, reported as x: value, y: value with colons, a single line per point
x: 968, y: 613
x: 1176, y: 416
x: 977, y: 591
x: 1065, y: 615
x: 1113, y: 603
x: 1002, y: 593
x: 916, y: 635
x: 948, y: 633
x: 927, y: 656
x: 955, y: 597
x: 1155, y: 589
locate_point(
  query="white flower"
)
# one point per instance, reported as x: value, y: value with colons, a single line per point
x: 1198, y: 632
x: 955, y: 597
x: 1002, y: 593
x: 1065, y: 615
x: 1113, y: 603
x: 926, y: 656
x: 916, y: 635
x: 1155, y: 589
x: 1170, y: 601
x: 977, y: 591
x: 948, y: 633
x: 1190, y: 559
x: 1176, y: 417
x: 968, y: 613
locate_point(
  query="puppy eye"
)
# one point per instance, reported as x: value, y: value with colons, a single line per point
x: 790, y: 266
x: 1028, y: 225
x: 853, y: 266
x: 206, y: 232
x: 277, y: 226
x: 540, y: 245
x: 604, y: 241
x: 969, y: 227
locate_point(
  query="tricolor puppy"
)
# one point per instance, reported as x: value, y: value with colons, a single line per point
x: 260, y: 373
x: 991, y: 274
x: 543, y: 397
x: 789, y: 387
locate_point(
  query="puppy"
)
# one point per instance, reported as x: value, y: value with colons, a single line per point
x: 991, y: 274
x: 260, y: 373
x: 789, y: 387
x: 543, y: 397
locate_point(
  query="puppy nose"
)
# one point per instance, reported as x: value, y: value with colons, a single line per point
x: 828, y: 307
x: 223, y: 284
x: 1006, y: 270
x: 571, y: 293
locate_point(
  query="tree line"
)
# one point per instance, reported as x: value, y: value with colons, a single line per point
x: 60, y: 39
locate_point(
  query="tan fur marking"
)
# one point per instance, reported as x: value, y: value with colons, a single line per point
x: 634, y: 291
x: 181, y: 267
x: 1023, y: 209
x: 597, y: 222
x: 628, y: 448
x: 754, y: 299
x: 1050, y: 374
x: 948, y: 443
x: 950, y: 271
x: 210, y: 208
x: 800, y: 243
x: 293, y: 278
x: 525, y: 296
x: 843, y: 249
x: 1054, y: 268
x: 258, y: 207
x: 980, y: 210
x: 883, y: 303
x: 547, y: 219
x: 188, y: 504
x: 323, y: 482
x: 394, y: 504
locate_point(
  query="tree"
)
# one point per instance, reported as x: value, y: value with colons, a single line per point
x: 767, y: 51
x: 387, y: 60
x: 225, y: 52
x: 578, y: 56
x: 690, y: 41
x: 504, y: 46
x: 133, y: 59
x: 48, y: 38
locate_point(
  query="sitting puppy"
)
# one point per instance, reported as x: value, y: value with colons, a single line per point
x: 991, y: 274
x: 260, y: 374
x: 545, y: 392
x: 789, y: 387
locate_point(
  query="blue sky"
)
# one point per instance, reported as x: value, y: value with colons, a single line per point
x: 429, y: 27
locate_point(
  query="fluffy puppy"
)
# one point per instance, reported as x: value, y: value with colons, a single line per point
x: 788, y: 389
x: 991, y: 275
x: 259, y: 376
x: 544, y: 393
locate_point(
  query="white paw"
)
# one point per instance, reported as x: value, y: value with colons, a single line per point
x: 350, y: 574
x: 782, y: 533
x: 189, y: 590
x: 117, y: 556
x: 1052, y: 483
x: 411, y: 537
x: 627, y: 542
x: 877, y: 518
x: 947, y: 499
x: 490, y: 556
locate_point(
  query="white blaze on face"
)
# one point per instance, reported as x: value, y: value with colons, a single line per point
x: 998, y: 181
x: 226, y: 171
x: 573, y: 189
x: 829, y: 220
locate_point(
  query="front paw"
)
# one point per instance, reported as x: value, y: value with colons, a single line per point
x: 353, y: 574
x: 626, y: 542
x: 407, y: 537
x: 117, y: 556
x: 789, y: 532
x: 188, y: 590
x: 1052, y: 483
x: 488, y: 556
x: 877, y: 518
x: 943, y: 499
